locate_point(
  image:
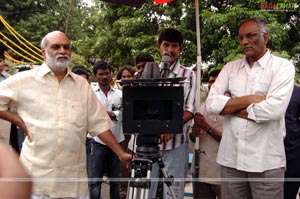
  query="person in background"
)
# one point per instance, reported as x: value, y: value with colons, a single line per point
x: 6, y: 68
x: 259, y: 86
x: 16, y: 134
x: 170, y: 41
x: 101, y: 157
x: 209, y: 129
x: 126, y: 72
x: 292, y: 145
x: 5, y: 126
x: 3, y: 73
x: 83, y: 72
x: 203, y: 88
x: 55, y: 110
x: 140, y: 62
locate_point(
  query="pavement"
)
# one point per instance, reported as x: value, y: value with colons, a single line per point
x: 188, y: 191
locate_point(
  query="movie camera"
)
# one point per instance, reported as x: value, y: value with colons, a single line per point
x: 151, y: 106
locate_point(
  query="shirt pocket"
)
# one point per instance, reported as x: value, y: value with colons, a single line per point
x: 260, y: 88
x: 75, y: 113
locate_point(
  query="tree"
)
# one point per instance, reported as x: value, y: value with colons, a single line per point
x: 33, y: 19
x: 118, y: 33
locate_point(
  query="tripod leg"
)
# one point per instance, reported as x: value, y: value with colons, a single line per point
x: 168, y: 182
x: 148, y: 178
x: 139, y: 184
x: 130, y: 187
x: 168, y: 179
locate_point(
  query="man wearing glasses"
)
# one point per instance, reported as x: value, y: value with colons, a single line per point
x: 251, y: 152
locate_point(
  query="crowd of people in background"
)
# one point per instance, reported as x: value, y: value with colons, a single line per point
x: 69, y: 135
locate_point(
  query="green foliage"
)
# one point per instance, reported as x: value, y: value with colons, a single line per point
x: 118, y: 33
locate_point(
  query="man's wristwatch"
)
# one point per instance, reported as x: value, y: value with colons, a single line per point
x: 210, y: 131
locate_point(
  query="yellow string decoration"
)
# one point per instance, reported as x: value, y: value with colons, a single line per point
x: 16, y: 51
x: 38, y: 59
x: 14, y: 33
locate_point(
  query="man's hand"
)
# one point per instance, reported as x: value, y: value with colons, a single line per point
x: 16, y: 119
x: 125, y: 158
x: 201, y: 122
x: 196, y: 131
x: 164, y: 138
x: 23, y: 127
x: 199, y: 126
x: 109, y: 139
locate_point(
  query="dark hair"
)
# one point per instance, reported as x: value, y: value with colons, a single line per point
x: 81, y: 70
x: 2, y: 49
x: 260, y: 23
x: 214, y: 73
x: 143, y: 58
x: 130, y: 69
x: 171, y: 35
x: 101, y: 65
x: 23, y: 68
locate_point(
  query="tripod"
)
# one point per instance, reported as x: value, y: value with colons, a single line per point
x: 140, y: 180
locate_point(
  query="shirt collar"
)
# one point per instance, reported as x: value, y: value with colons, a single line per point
x: 175, y: 67
x: 44, y: 70
x: 112, y: 89
x: 262, y: 62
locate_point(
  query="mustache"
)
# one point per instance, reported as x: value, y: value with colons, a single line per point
x: 62, y: 56
x: 246, y: 46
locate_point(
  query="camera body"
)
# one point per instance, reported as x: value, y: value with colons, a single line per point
x: 152, y: 109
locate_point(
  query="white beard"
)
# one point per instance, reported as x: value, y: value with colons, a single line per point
x: 57, y: 65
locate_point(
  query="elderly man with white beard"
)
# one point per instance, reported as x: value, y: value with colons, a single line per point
x: 55, y: 109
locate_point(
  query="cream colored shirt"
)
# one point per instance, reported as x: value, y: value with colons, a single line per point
x: 57, y: 117
x: 254, y: 145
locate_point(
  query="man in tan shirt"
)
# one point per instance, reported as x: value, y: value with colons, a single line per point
x: 55, y: 110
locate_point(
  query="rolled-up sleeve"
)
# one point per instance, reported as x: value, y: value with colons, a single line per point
x: 278, y: 96
x: 7, y: 95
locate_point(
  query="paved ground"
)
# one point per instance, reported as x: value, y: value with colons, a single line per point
x: 188, y: 191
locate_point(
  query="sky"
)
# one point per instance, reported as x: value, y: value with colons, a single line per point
x: 89, y: 2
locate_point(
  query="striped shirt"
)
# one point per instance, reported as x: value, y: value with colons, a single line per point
x: 178, y: 70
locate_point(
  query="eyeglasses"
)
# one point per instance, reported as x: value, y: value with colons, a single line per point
x: 249, y: 36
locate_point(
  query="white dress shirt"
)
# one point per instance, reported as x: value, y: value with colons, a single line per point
x: 247, y: 145
x: 113, y: 99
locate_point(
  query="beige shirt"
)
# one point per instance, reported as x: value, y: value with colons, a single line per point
x: 254, y: 145
x: 57, y: 117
